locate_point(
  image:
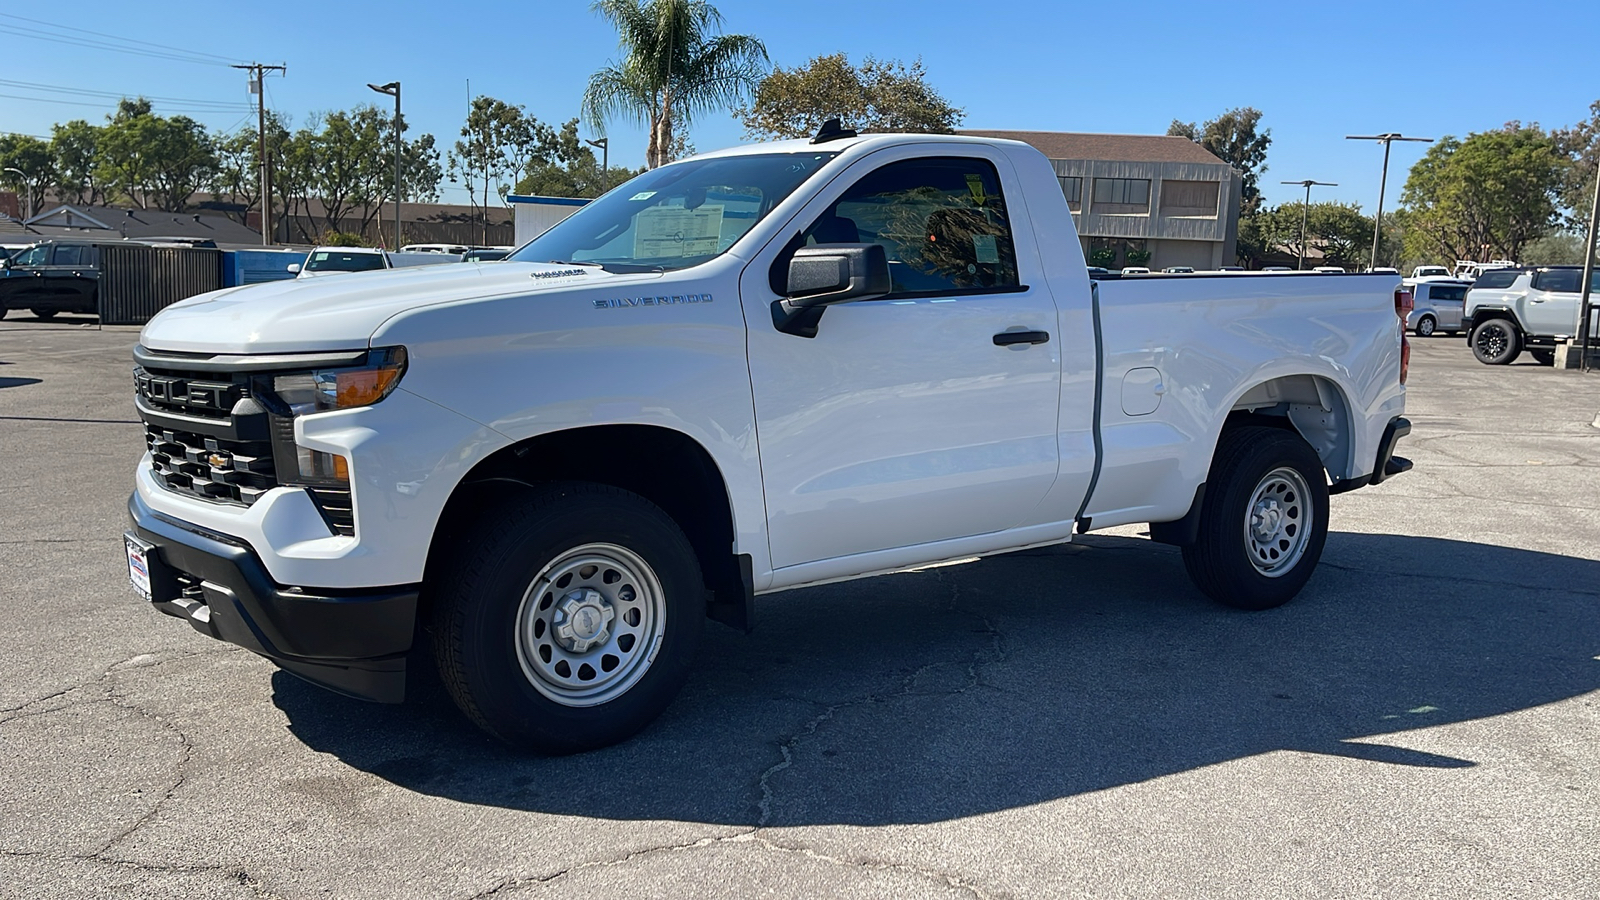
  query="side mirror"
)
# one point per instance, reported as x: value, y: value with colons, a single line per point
x: 294, y: 267
x: 826, y: 274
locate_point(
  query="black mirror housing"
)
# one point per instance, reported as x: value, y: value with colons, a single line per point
x: 825, y: 274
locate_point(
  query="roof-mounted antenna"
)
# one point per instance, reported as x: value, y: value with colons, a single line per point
x: 831, y: 130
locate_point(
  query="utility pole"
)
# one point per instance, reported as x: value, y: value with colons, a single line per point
x: 1385, y: 139
x: 393, y: 87
x: 257, y: 72
x: 1587, y: 286
x: 605, y: 161
x: 1305, y: 211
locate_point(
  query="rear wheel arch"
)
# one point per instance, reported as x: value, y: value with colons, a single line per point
x: 1313, y: 406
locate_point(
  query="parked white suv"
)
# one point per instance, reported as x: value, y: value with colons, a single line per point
x: 1511, y: 310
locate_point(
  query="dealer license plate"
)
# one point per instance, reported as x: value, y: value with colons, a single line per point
x: 139, y: 564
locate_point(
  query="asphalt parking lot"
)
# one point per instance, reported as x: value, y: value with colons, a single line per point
x: 1424, y: 721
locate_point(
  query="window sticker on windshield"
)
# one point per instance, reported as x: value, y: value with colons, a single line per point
x: 643, y: 195
x: 984, y: 246
x: 673, y: 231
x: 321, y: 256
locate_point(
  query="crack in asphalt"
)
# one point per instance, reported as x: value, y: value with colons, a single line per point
x: 236, y: 873
x: 753, y: 838
x: 787, y: 745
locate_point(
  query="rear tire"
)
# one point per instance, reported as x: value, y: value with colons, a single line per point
x: 1426, y: 326
x: 569, y: 621
x: 1496, y: 342
x: 1543, y: 357
x: 44, y: 315
x: 1264, y: 519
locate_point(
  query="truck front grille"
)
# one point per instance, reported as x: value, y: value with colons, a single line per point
x: 211, y: 468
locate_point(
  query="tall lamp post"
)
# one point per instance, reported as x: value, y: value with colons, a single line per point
x: 25, y: 186
x: 393, y: 87
x: 1305, y: 211
x: 605, y: 161
x: 1383, y: 183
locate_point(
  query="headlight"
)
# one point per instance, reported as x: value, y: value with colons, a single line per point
x: 323, y: 390
x: 328, y: 389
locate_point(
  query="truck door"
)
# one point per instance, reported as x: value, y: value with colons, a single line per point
x: 1551, y: 306
x: 906, y: 420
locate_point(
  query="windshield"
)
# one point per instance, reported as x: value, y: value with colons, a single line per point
x: 343, y: 261
x: 675, y: 216
x: 33, y: 256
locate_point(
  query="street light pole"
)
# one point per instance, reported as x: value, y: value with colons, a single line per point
x: 1385, y: 139
x: 29, y: 188
x: 605, y: 161
x: 1587, y: 286
x: 1305, y: 211
x: 393, y: 87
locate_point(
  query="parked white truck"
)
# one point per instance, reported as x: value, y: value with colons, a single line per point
x: 760, y: 368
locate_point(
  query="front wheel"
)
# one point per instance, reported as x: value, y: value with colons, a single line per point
x: 1496, y: 342
x: 569, y: 621
x: 1264, y: 519
x: 1426, y: 326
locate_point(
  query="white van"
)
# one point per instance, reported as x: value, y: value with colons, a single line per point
x: 333, y: 260
x: 457, y: 249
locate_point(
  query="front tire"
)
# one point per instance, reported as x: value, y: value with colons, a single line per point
x: 1264, y: 519
x: 569, y: 621
x: 1426, y: 326
x: 1496, y: 342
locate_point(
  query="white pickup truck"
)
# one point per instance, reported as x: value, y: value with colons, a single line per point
x: 770, y: 366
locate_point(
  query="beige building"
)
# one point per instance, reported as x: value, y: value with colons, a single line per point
x: 1134, y: 194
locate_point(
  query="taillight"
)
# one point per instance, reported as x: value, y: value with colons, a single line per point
x: 1403, y: 304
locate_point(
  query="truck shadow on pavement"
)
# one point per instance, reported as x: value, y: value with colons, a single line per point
x: 1030, y: 677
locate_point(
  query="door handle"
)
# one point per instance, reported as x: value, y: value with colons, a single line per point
x: 1008, y: 338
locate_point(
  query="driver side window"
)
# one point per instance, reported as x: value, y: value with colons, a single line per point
x: 941, y: 221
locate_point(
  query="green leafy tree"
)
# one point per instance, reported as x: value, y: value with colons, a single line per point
x: 881, y: 95
x: 1490, y: 195
x: 1337, y: 230
x: 673, y: 67
x: 154, y: 161
x: 567, y: 168
x: 76, y: 149
x: 32, y: 157
x: 1236, y: 138
x: 497, y: 143
x: 1581, y: 144
x: 238, y: 172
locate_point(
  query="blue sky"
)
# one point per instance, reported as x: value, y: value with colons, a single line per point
x: 1318, y: 71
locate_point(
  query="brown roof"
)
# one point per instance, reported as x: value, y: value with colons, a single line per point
x: 1159, y: 148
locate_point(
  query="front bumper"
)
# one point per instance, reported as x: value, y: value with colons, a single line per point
x: 351, y: 641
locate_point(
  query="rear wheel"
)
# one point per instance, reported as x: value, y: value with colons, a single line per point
x: 44, y: 314
x: 1543, y: 357
x: 1264, y: 520
x: 1496, y: 342
x: 569, y: 621
x: 1426, y: 326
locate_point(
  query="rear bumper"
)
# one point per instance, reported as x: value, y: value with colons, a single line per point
x: 1387, y: 465
x: 351, y: 641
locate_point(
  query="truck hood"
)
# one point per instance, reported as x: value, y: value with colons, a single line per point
x: 340, y: 313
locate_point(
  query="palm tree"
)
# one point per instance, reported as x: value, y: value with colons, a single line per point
x: 672, y: 68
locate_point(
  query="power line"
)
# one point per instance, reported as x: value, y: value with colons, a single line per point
x: 116, y: 37
x: 225, y: 105
x: 104, y: 105
x: 93, y: 44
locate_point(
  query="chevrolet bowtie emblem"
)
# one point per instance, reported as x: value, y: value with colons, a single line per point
x: 219, y: 460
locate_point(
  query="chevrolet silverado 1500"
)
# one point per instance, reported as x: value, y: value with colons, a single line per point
x: 765, y: 367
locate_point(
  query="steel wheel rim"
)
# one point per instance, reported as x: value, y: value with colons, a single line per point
x: 590, y: 624
x: 1492, y: 340
x: 1278, y: 522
